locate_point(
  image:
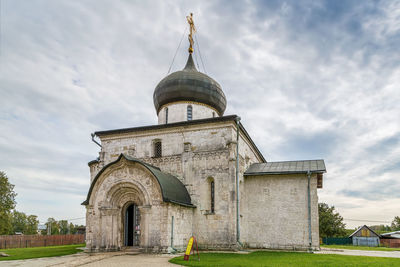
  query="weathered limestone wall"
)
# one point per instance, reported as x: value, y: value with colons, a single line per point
x: 275, y: 212
x: 178, y: 112
x: 273, y: 208
x: 175, y: 141
x: 196, y: 155
x: 182, y: 228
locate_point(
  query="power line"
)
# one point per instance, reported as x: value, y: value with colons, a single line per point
x: 355, y: 220
x: 73, y: 219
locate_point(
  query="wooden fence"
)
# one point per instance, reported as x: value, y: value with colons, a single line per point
x: 25, y: 241
x: 391, y: 243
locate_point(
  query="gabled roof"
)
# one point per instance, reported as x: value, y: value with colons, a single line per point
x: 172, y: 189
x: 361, y: 227
x: 395, y: 234
x: 287, y: 167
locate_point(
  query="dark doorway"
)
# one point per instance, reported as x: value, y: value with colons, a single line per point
x: 132, y: 225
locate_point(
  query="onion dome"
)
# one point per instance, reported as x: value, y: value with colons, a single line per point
x: 189, y: 85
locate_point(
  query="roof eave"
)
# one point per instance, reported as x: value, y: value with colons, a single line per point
x: 284, y: 172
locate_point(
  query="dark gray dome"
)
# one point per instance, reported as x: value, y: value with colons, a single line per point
x: 189, y: 85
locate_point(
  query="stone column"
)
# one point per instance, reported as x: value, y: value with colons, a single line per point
x: 145, y: 212
x: 109, y: 226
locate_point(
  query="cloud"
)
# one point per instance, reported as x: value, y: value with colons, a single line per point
x: 309, y: 79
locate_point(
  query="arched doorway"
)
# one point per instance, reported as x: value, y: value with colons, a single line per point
x: 132, y: 226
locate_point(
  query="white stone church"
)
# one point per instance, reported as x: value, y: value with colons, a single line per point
x: 197, y: 173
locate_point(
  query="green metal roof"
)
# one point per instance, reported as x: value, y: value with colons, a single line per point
x: 189, y: 85
x: 172, y: 189
x: 287, y: 167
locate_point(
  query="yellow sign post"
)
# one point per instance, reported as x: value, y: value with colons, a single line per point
x: 189, y: 249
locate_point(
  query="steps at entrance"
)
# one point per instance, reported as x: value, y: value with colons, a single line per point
x: 132, y: 250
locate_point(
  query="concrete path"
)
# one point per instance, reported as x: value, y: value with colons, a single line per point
x: 351, y: 252
x: 117, y: 259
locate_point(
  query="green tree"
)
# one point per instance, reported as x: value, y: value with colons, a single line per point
x: 63, y: 227
x: 52, y: 227
x: 330, y: 222
x: 72, y: 228
x: 32, y: 223
x: 7, y: 204
x: 18, y: 222
x: 396, y: 223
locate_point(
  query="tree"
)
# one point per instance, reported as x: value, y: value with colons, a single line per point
x: 72, y: 228
x: 396, y: 223
x: 7, y: 204
x: 32, y: 223
x: 18, y: 222
x: 330, y: 222
x: 63, y: 227
x: 23, y: 223
x: 52, y: 227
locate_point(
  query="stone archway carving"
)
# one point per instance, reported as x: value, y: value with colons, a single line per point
x: 120, y: 183
x: 120, y: 197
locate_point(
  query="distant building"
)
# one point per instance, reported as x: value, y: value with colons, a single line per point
x: 391, y: 239
x: 391, y: 235
x: 365, y: 236
x: 41, y: 227
x: 80, y: 230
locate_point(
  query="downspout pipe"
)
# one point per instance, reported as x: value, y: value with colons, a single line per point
x: 97, y: 143
x: 309, y: 211
x: 174, y: 250
x: 237, y: 120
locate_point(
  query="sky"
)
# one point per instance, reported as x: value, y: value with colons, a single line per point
x: 310, y: 80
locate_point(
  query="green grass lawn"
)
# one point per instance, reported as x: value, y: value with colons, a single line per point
x: 360, y: 247
x: 271, y: 258
x: 39, y: 252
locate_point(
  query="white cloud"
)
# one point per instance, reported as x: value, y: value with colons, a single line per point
x: 321, y: 80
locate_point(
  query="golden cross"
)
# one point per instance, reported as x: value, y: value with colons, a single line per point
x: 192, y: 30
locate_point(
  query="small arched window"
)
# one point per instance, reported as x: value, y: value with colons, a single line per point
x: 213, y: 114
x: 189, y: 113
x: 166, y: 115
x: 212, y: 196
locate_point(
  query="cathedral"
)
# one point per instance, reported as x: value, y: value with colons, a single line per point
x: 197, y: 173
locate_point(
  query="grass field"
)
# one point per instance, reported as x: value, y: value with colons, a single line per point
x: 360, y: 247
x: 267, y: 258
x: 39, y: 252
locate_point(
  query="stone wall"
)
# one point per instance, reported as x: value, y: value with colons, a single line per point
x: 273, y: 208
x: 275, y: 212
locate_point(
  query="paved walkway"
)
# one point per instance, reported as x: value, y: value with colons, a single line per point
x: 117, y: 259
x: 352, y: 252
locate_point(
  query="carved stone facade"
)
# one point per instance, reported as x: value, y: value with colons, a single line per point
x: 273, y: 209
